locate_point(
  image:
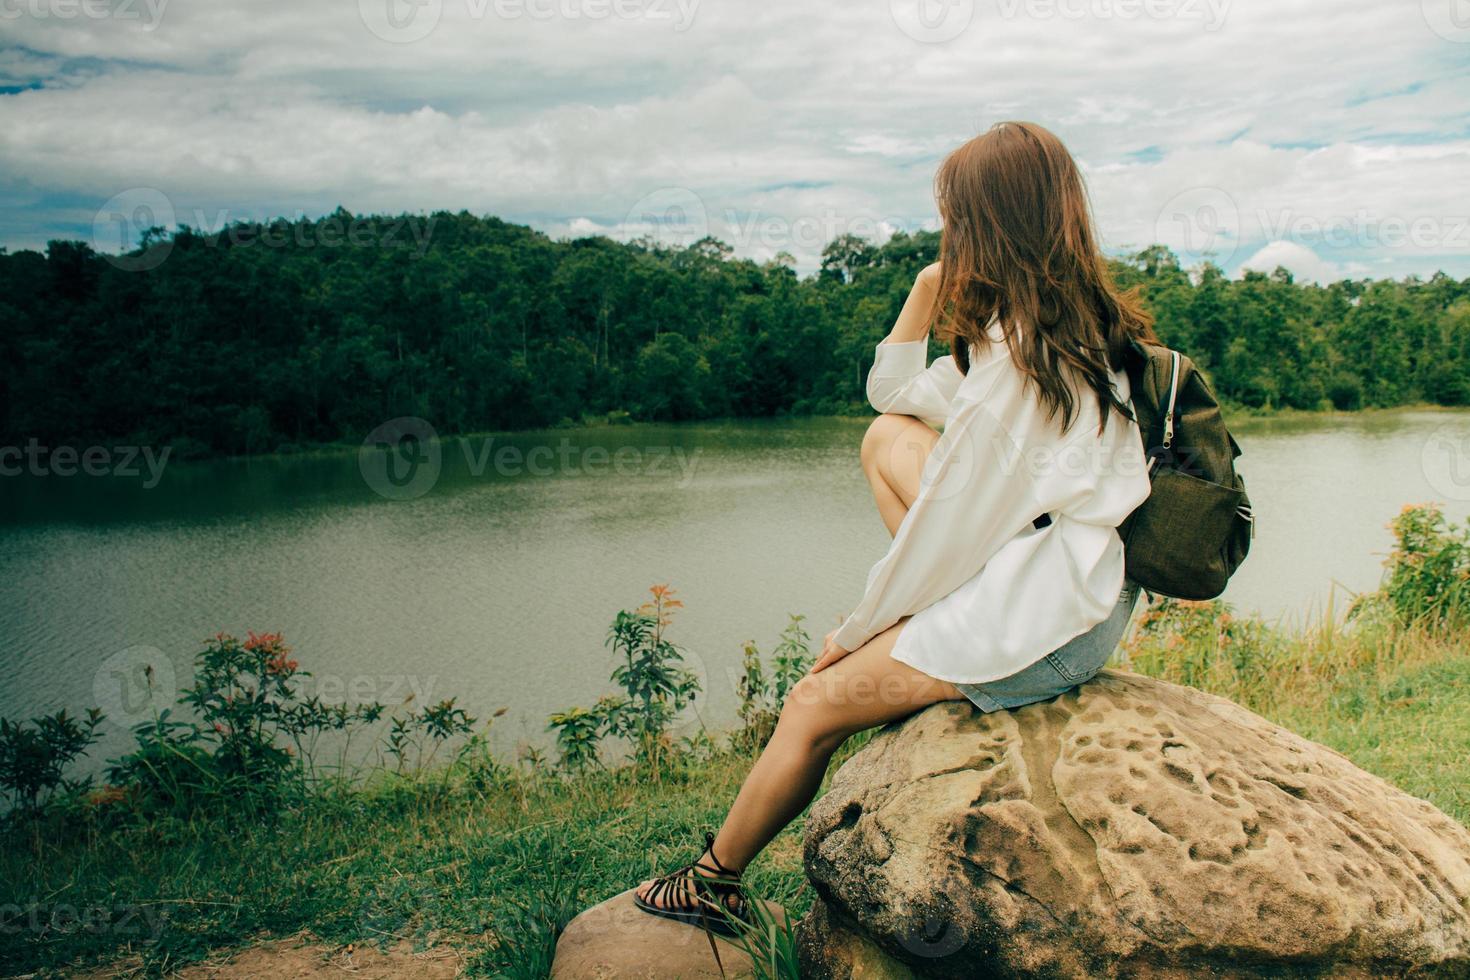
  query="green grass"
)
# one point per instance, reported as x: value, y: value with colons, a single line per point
x: 1411, y: 726
x: 499, y: 870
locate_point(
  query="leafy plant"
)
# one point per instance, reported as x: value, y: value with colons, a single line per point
x: 244, y: 695
x: 417, y: 739
x: 434, y: 725
x: 1427, y: 582
x: 656, y: 686
x: 578, y: 733
x: 34, y: 756
x: 1195, y: 643
x: 532, y: 759
x: 770, y: 943
x: 250, y: 733
x: 169, y: 767
x: 762, y: 693
x: 652, y: 673
x: 698, y: 747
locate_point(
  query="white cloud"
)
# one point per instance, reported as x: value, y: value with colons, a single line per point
x: 1300, y: 261
x: 784, y: 119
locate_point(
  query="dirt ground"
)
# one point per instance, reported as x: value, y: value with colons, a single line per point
x: 301, y: 957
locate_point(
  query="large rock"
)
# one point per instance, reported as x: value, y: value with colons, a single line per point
x: 618, y: 940
x: 1130, y: 828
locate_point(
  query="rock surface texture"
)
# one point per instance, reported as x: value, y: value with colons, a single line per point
x: 618, y: 940
x: 1130, y: 828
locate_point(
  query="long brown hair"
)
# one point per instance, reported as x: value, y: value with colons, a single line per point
x: 1018, y: 246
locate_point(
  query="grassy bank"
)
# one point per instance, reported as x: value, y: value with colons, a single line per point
x: 498, y: 870
x: 1236, y: 413
x: 495, y: 859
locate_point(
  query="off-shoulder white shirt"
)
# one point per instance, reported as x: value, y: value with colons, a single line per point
x: 990, y: 594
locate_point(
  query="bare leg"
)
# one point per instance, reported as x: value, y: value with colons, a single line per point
x: 864, y: 689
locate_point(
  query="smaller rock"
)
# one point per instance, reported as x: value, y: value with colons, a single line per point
x: 617, y: 939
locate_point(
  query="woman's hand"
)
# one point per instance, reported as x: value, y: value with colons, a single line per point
x: 831, y: 653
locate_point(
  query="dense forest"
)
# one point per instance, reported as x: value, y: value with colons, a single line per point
x: 265, y: 337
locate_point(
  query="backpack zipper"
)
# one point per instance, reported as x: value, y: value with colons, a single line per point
x: 1173, y: 398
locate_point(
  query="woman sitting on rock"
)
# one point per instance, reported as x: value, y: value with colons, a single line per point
x: 1004, y: 583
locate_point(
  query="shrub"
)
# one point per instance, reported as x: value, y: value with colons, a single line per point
x: 1427, y: 582
x: 34, y: 756
x: 1200, y: 644
x: 169, y: 768
x: 762, y: 694
x: 656, y: 688
x: 1345, y: 391
x: 578, y: 733
x: 251, y: 733
x: 436, y: 724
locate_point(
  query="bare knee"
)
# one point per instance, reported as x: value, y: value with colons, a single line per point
x: 881, y: 435
x: 809, y: 716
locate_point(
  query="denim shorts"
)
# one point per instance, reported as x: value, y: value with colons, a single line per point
x: 1061, y: 670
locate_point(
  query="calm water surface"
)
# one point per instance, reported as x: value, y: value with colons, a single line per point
x: 497, y: 585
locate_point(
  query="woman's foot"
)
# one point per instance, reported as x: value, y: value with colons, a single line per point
x: 696, y: 893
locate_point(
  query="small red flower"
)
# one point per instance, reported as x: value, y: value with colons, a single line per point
x: 279, y: 665
x: 268, y: 642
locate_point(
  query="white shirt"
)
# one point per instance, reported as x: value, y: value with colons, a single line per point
x: 989, y: 593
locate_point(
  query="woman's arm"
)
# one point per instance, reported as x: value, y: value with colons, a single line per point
x: 899, y: 381
x: 913, y: 320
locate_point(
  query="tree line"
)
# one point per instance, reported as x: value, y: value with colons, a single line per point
x: 276, y: 336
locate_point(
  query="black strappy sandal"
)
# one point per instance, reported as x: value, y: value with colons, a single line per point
x: 709, y: 906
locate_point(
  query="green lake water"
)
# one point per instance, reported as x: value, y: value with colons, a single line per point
x: 496, y: 584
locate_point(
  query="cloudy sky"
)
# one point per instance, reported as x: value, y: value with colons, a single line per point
x: 1329, y: 136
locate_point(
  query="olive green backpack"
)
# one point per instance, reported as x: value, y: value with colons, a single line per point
x: 1195, y: 528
